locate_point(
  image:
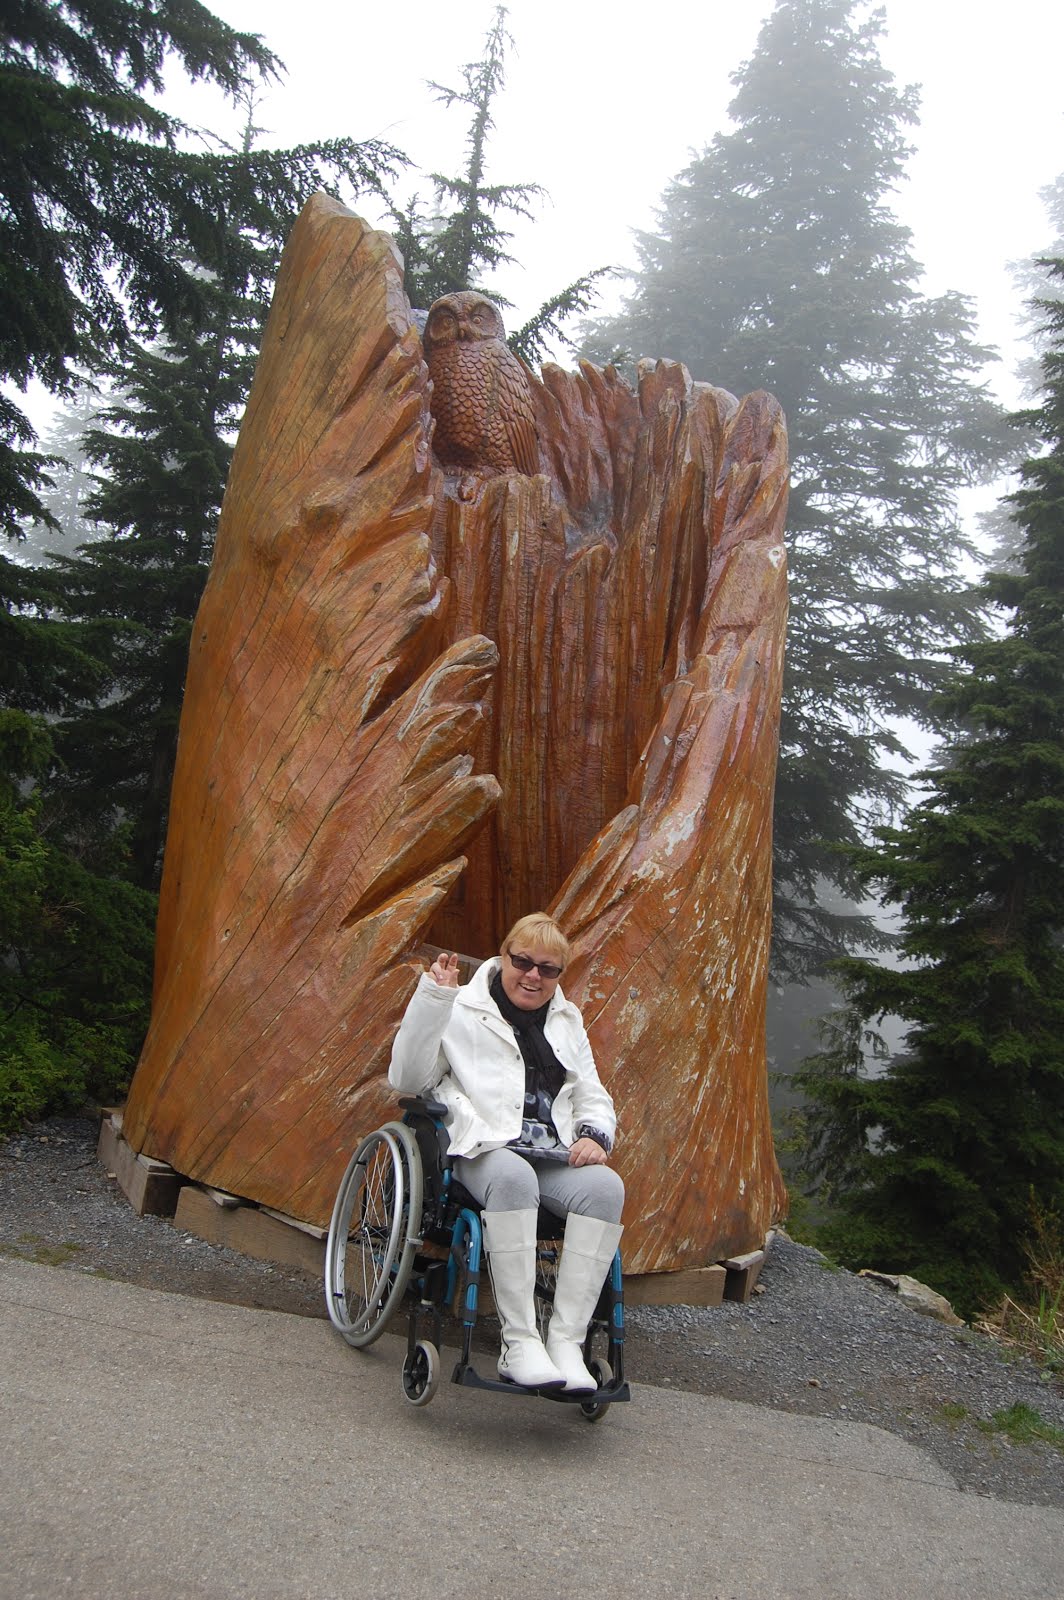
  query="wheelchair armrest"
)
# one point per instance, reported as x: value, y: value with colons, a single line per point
x: 424, y: 1104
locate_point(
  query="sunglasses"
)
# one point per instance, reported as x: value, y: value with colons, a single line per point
x: 546, y: 969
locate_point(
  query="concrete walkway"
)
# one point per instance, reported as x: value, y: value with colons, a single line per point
x: 178, y: 1449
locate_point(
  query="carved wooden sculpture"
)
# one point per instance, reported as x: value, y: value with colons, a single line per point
x: 572, y: 673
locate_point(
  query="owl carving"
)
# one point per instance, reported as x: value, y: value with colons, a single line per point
x: 481, y: 394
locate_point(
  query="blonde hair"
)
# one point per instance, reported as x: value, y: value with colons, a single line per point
x: 538, y: 929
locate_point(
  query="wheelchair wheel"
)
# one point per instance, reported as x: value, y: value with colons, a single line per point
x: 373, y: 1234
x: 601, y: 1371
x: 414, y: 1172
x: 421, y: 1373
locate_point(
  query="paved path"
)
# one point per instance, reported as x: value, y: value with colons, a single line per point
x: 178, y: 1449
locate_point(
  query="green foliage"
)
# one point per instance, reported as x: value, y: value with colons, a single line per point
x: 42, y: 660
x: 31, y: 1247
x: 99, y: 203
x: 75, y: 954
x: 162, y: 446
x: 1024, y: 1425
x: 935, y: 1163
x: 1034, y: 1321
x: 462, y: 238
x: 1020, y: 1423
x: 777, y: 264
x: 531, y: 341
x: 451, y: 245
x: 163, y: 449
x: 103, y: 210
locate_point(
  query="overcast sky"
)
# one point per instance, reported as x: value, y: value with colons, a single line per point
x: 605, y: 103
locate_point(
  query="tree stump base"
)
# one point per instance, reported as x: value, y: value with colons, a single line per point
x: 154, y: 1189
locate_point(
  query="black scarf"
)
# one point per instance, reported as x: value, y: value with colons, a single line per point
x: 543, y: 1070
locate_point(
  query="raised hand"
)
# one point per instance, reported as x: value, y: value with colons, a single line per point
x: 444, y: 970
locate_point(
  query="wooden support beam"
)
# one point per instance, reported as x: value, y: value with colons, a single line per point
x: 150, y: 1186
x: 742, y: 1274
x: 251, y: 1231
x: 698, y: 1286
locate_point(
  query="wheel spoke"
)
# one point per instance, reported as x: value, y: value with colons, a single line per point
x: 373, y: 1234
x: 371, y: 1245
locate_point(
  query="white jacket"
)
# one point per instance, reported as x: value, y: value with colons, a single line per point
x: 456, y: 1044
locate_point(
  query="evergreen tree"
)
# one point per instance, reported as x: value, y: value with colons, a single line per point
x: 939, y: 1162
x: 1034, y: 280
x: 64, y: 498
x: 111, y: 227
x: 99, y: 204
x: 779, y: 265
x: 162, y: 449
x: 461, y: 238
x: 106, y: 225
x: 1002, y: 536
x: 76, y: 948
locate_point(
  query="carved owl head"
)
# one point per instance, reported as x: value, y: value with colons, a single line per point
x: 465, y: 315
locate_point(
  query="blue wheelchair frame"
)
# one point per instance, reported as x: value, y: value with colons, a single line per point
x: 450, y: 1219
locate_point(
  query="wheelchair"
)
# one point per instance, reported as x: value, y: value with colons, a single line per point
x: 405, y: 1231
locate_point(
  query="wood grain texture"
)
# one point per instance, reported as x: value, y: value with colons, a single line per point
x: 347, y: 735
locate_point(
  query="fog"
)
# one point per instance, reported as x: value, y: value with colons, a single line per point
x: 604, y: 105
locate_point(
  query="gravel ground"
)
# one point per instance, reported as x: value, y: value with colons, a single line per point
x: 813, y: 1339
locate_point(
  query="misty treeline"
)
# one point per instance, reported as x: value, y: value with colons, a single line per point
x: 136, y: 269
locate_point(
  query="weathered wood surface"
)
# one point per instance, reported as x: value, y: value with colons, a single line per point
x: 670, y: 906
x: 344, y: 737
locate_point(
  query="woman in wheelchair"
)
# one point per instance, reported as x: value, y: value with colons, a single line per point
x: 529, y: 1123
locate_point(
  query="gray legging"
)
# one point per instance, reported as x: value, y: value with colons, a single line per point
x: 503, y: 1180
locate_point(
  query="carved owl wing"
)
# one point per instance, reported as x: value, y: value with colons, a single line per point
x: 517, y: 407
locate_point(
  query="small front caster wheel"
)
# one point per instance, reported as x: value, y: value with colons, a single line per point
x: 421, y: 1373
x: 602, y: 1372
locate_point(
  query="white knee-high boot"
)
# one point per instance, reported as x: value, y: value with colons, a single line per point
x: 590, y: 1246
x: 510, y: 1240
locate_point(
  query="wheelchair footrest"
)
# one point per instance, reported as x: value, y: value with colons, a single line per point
x: 601, y: 1397
x: 469, y: 1378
